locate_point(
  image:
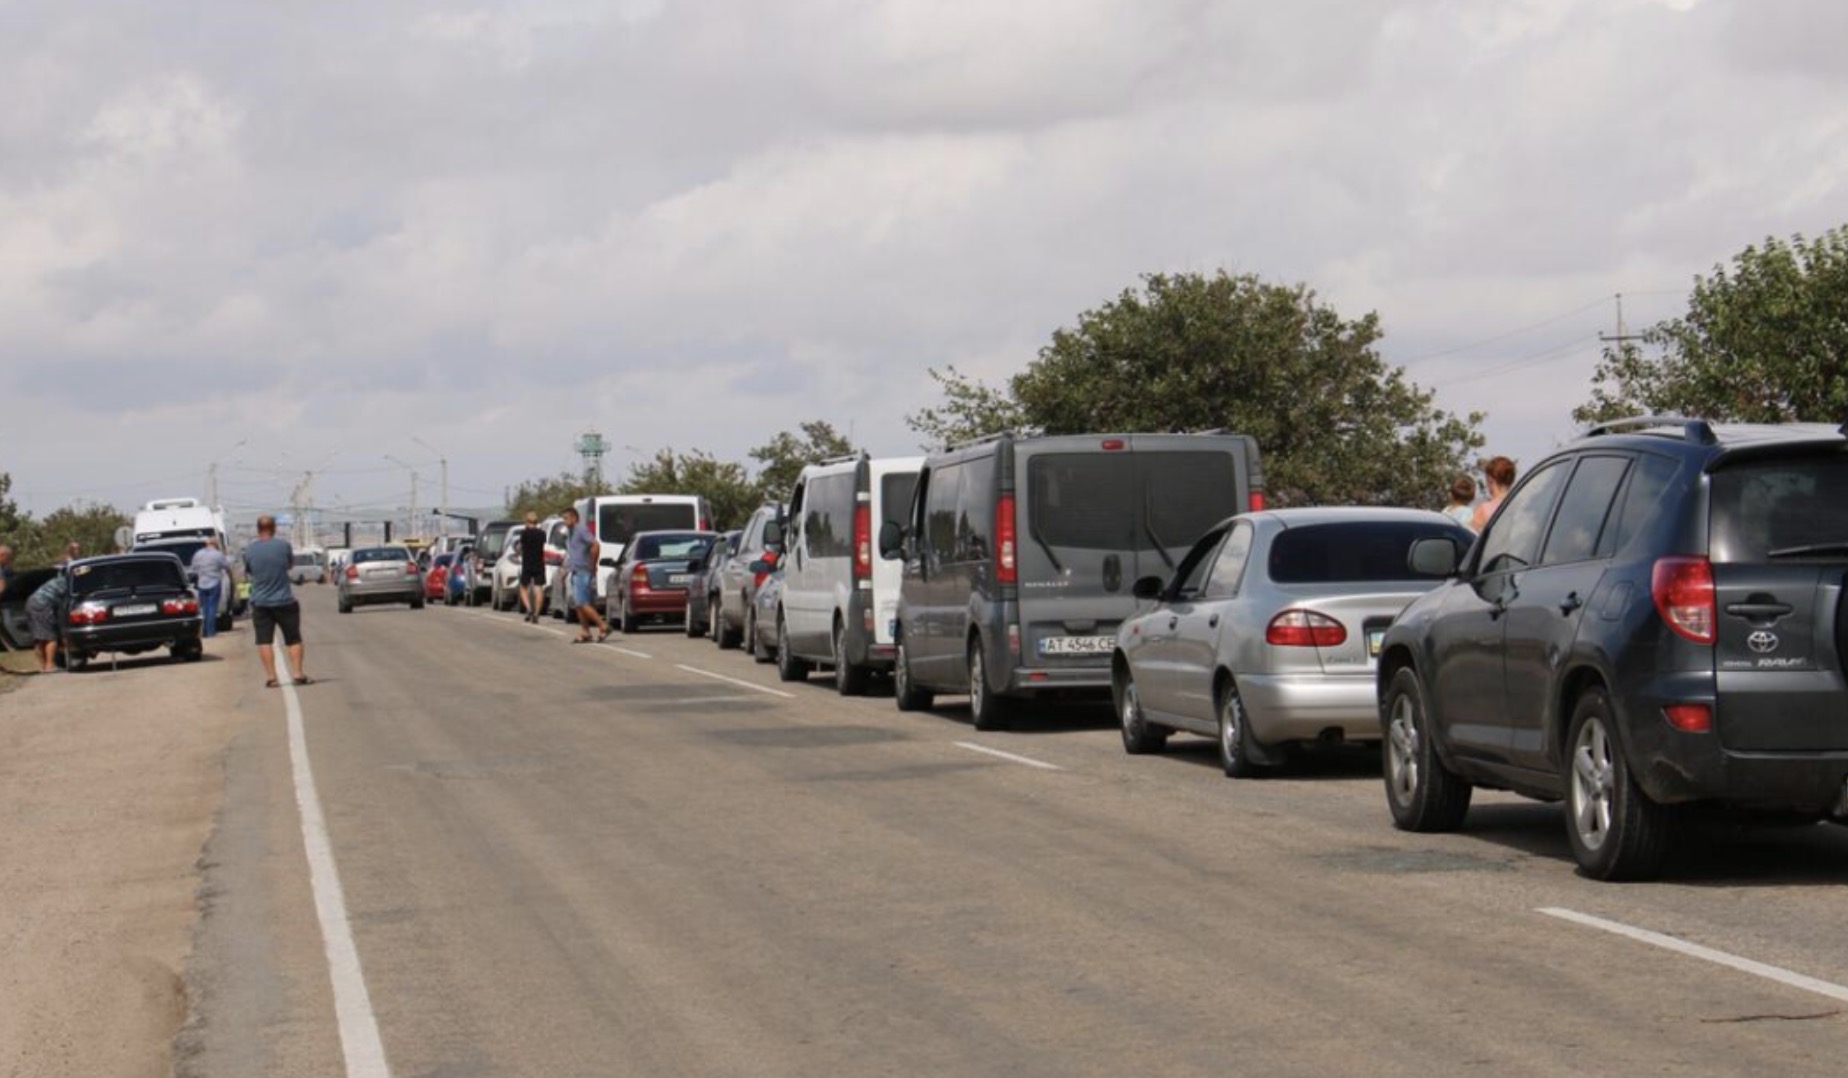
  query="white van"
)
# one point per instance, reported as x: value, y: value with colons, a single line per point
x: 840, y: 599
x: 613, y: 518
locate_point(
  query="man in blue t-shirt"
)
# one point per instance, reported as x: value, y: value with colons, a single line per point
x: 581, y: 550
x: 272, y: 602
x: 211, y: 570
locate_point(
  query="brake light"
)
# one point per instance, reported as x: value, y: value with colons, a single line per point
x: 180, y: 606
x: 1304, y: 629
x: 1007, y: 569
x: 352, y: 572
x: 410, y: 567
x: 769, y: 560
x: 862, y: 542
x: 554, y: 557
x: 1689, y: 718
x: 1683, y: 593
x: 705, y: 524
x: 638, y: 577
x: 1257, y: 501
x: 88, y: 614
x: 1113, y: 444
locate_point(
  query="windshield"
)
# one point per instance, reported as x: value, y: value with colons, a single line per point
x: 126, y: 576
x: 1786, y: 508
x: 617, y: 523
x: 1129, y: 501
x: 1353, y: 552
x: 650, y: 547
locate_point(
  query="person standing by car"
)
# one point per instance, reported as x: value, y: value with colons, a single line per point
x: 210, y: 570
x: 581, y: 553
x: 6, y: 568
x: 1462, y: 493
x: 269, y: 560
x: 42, y: 613
x: 532, y: 566
x: 1499, y: 471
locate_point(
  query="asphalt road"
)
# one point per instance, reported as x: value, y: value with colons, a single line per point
x: 604, y: 860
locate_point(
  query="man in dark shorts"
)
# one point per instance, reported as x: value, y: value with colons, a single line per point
x: 269, y: 560
x: 532, y: 567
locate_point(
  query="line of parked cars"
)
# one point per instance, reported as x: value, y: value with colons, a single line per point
x: 1652, y: 625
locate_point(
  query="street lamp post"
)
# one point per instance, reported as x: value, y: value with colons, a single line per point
x: 442, y: 524
x: 411, y: 524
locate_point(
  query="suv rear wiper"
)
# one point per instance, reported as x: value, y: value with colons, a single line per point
x: 1840, y: 546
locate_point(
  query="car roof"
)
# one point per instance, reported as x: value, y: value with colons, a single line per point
x: 1710, y: 436
x: 1349, y: 514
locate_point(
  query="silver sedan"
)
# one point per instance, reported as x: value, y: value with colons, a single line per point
x: 380, y: 574
x: 1268, y: 632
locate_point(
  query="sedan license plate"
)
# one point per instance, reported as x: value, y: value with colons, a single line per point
x: 135, y: 610
x: 680, y: 578
x: 1077, y: 645
x: 1375, y: 638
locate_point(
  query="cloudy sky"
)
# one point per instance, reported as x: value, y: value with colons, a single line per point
x: 292, y: 237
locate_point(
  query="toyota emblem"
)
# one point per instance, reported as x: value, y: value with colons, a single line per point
x: 1764, y: 643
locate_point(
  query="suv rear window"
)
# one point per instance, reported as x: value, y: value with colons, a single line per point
x: 1352, y: 552
x: 1130, y: 501
x: 1786, y: 508
x: 126, y: 576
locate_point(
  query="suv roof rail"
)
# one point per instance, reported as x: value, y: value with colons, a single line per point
x: 983, y: 439
x: 1697, y: 431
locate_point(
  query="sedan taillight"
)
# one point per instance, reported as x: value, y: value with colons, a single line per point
x: 410, y: 567
x: 88, y: 614
x: 352, y: 572
x: 180, y: 606
x: 638, y: 578
x: 1304, y: 629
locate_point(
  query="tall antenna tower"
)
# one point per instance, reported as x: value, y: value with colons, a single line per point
x: 592, y: 448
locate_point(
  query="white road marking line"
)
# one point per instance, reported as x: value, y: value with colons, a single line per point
x: 1029, y: 761
x: 735, y: 681
x: 1695, y: 950
x: 679, y: 700
x: 627, y: 651
x: 358, y: 1026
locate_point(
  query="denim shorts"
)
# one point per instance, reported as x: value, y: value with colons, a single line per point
x: 580, y: 588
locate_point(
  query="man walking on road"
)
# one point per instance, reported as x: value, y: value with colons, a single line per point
x: 581, y: 553
x: 272, y: 603
x: 532, y: 567
x: 210, y: 569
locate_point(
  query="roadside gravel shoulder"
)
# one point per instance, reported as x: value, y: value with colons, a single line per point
x: 109, y: 782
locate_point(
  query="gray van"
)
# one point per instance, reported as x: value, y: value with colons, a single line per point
x: 1020, y: 555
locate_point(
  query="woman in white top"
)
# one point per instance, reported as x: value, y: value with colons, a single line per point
x: 1462, y: 493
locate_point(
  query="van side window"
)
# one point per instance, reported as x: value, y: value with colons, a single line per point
x: 975, y: 510
x: 940, y: 514
x: 828, y: 524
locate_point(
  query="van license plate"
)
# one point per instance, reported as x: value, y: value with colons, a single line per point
x: 136, y: 610
x: 1375, y: 638
x: 1077, y: 645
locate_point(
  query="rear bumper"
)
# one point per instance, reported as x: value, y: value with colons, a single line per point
x: 656, y: 603
x: 1674, y: 766
x: 142, y: 636
x: 1298, y: 707
x: 862, y: 646
x: 1028, y: 680
x: 393, y: 592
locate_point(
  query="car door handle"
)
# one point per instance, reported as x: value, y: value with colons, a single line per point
x: 1213, y: 622
x: 1570, y: 603
x: 1772, y: 610
x: 1172, y: 622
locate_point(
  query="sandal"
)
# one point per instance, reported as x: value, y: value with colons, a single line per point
x: 582, y: 640
x: 602, y: 635
x: 270, y: 684
x: 304, y: 680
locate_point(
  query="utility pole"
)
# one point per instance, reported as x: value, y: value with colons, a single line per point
x: 442, y: 524
x: 1619, y: 338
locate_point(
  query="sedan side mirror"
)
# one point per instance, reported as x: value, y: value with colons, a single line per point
x: 1149, y: 587
x: 891, y: 540
x: 761, y: 566
x: 1436, y: 557
x: 607, y: 563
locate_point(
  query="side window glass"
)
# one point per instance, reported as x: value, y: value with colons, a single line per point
x: 975, y: 511
x: 1648, y: 480
x: 1229, y: 566
x: 1513, y: 541
x: 940, y: 515
x: 1583, y: 510
x: 1190, y: 575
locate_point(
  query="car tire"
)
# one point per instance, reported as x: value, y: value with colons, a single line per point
x: 693, y: 629
x: 1140, y: 736
x: 788, y: 667
x: 987, y: 708
x: 1617, y: 831
x: 191, y: 652
x: 758, y: 651
x: 629, y: 627
x: 1423, y: 794
x: 849, y: 680
x: 715, y: 621
x: 77, y: 661
x: 905, y: 691
x: 417, y: 604
x: 1238, y: 756
x: 345, y: 607
x: 729, y: 637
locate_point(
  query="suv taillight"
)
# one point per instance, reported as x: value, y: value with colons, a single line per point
x: 1007, y: 567
x: 1304, y: 629
x: 862, y: 542
x: 1683, y: 592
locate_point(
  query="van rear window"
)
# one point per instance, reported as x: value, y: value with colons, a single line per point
x: 1130, y: 501
x: 1368, y: 551
x: 895, y: 490
x: 1786, y: 508
x: 616, y: 524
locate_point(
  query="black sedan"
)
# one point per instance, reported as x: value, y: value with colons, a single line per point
x: 129, y: 603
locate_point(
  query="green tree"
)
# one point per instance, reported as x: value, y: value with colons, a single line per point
x: 91, y: 525
x: 1763, y: 342
x: 12, y: 521
x: 551, y: 495
x: 970, y: 409
x: 782, y: 458
x: 1335, y: 424
x: 728, y: 489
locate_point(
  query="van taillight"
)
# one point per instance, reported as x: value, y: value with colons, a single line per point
x: 1113, y: 444
x: 862, y: 542
x: 1006, y: 568
x: 1683, y: 593
x: 1257, y: 501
